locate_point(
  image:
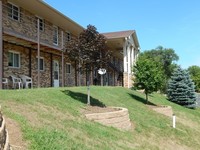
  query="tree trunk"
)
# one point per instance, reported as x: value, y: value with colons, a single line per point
x: 146, y: 97
x: 101, y: 80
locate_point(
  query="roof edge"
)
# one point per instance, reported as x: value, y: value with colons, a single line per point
x: 59, y: 13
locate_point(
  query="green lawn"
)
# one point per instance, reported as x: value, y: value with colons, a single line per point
x: 52, y: 119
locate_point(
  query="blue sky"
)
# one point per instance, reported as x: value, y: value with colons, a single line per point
x: 169, y: 23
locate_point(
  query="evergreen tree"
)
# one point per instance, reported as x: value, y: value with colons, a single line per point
x: 181, y: 89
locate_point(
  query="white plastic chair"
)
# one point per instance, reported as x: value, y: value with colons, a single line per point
x: 17, y: 82
x: 5, y: 82
x: 26, y: 81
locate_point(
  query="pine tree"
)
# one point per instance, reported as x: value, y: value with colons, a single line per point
x: 181, y: 89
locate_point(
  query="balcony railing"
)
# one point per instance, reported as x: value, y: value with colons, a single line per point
x: 24, y: 25
x: 115, y: 67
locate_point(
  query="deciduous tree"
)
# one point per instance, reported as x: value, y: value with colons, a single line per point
x: 89, y: 50
x: 194, y: 72
x: 166, y: 58
x: 148, y: 75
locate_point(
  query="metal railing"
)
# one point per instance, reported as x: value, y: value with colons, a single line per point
x: 115, y: 67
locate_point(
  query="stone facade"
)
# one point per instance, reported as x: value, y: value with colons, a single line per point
x: 128, y: 80
x: 26, y: 27
x: 29, y: 67
x: 21, y: 36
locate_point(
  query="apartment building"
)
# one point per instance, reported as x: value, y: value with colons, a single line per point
x: 33, y: 36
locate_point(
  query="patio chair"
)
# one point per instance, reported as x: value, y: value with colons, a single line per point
x: 17, y: 82
x: 5, y: 82
x: 27, y: 81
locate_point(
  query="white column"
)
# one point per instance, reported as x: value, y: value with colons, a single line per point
x: 129, y: 65
x: 125, y: 57
x: 136, y: 53
x: 1, y: 47
x: 132, y: 56
x: 129, y: 59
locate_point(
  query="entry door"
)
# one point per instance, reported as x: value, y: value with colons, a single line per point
x: 56, y: 73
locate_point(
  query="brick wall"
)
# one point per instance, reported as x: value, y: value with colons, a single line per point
x: 23, y: 69
x: 26, y: 26
x: 125, y: 80
x: 45, y: 76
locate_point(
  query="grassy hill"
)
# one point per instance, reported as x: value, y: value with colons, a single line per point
x: 52, y: 118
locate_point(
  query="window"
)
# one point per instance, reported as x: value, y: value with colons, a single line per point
x: 68, y: 36
x: 41, y: 23
x: 68, y: 68
x: 13, y: 11
x: 14, y: 59
x: 55, y: 35
x: 41, y: 64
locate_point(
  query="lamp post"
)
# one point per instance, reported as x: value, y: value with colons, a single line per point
x: 102, y: 71
x: 88, y: 92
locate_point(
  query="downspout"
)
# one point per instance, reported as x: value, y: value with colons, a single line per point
x: 1, y: 44
x: 38, y: 50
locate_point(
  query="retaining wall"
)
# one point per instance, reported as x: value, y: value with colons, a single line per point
x: 118, y: 119
x: 4, y: 141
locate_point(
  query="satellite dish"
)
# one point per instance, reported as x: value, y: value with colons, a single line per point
x: 101, y: 71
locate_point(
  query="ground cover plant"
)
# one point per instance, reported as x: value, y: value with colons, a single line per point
x: 52, y: 118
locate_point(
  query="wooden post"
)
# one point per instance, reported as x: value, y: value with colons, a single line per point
x: 1, y: 44
x: 51, y: 69
x: 38, y: 50
x: 30, y: 70
x: 62, y: 48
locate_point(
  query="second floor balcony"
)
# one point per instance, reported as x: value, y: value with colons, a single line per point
x: 23, y: 24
